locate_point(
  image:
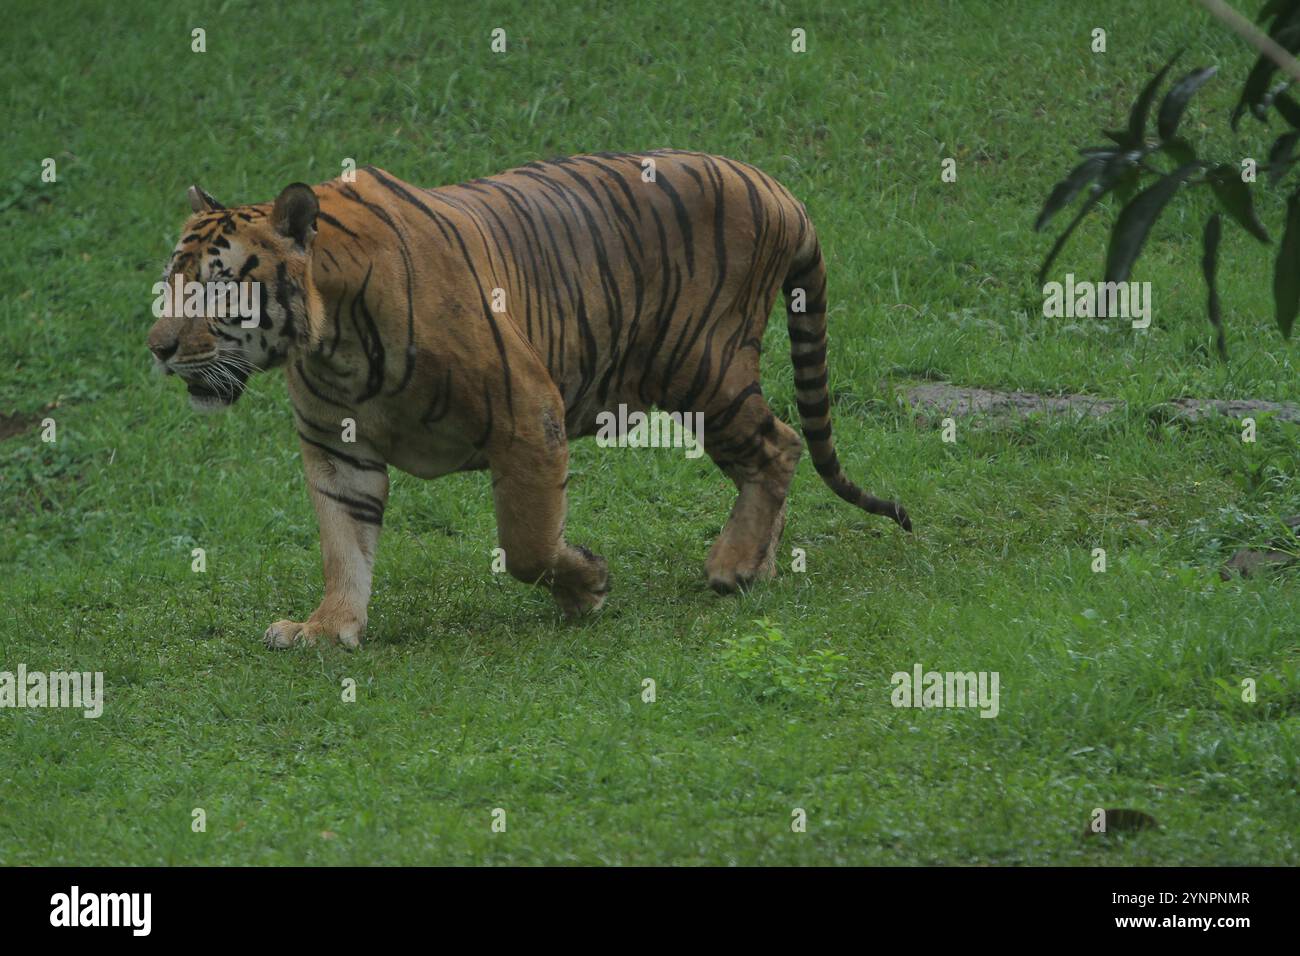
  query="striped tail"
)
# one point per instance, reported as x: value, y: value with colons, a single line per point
x: 808, y: 355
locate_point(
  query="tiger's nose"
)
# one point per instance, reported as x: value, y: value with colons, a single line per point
x: 164, y: 351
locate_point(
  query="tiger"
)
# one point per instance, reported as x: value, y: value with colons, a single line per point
x: 485, y: 325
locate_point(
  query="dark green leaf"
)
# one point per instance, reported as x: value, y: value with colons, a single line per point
x: 1256, y: 88
x: 1210, y: 268
x: 1063, y: 193
x: 1118, y: 165
x: 1289, y: 108
x: 1277, y: 7
x: 1175, y: 101
x: 1127, y: 184
x: 1235, y: 198
x: 1283, y: 8
x: 1286, y: 273
x: 1260, y: 110
x: 1282, y: 156
x: 1136, y: 219
x: 1283, y: 29
x: 1179, y: 150
x: 1089, y: 205
x: 1137, y: 117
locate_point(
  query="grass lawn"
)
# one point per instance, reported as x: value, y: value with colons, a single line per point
x: 1118, y: 689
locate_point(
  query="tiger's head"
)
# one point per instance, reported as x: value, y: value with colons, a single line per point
x: 236, y: 294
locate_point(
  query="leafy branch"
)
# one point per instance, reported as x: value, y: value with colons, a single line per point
x: 1131, y: 159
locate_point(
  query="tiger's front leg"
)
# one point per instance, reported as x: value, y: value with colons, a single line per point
x: 350, y: 493
x: 530, y: 467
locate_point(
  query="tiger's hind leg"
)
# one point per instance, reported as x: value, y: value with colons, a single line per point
x: 759, y: 453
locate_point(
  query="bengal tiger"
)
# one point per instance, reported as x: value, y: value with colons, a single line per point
x: 484, y: 325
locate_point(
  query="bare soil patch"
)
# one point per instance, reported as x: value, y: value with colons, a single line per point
x: 959, y: 401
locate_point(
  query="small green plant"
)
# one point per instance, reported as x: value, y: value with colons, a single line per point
x: 770, y: 664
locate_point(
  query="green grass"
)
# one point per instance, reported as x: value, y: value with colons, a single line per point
x: 471, y: 694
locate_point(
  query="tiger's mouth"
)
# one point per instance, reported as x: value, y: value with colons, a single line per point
x: 215, y: 391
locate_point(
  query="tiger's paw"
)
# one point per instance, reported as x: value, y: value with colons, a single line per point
x: 735, y: 563
x: 740, y: 576
x: 730, y: 581
x: 585, y: 586
x: 285, y: 634
x: 575, y: 604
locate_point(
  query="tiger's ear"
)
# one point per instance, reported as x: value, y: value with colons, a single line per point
x: 294, y: 214
x: 201, y: 201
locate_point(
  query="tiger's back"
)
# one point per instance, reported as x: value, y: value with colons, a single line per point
x: 635, y: 277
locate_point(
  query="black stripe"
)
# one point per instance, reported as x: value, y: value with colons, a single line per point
x: 282, y: 299
x: 683, y: 221
x: 372, y: 344
x: 809, y: 359
x: 361, y: 464
x: 668, y: 296
x: 816, y: 383
x: 440, y: 404
x: 370, y: 512
x: 382, y: 215
x: 444, y: 224
x: 814, y: 409
x: 326, y: 217
x: 723, y: 419
x: 302, y: 374
x: 688, y: 340
x: 487, y: 427
x: 827, y: 467
x: 315, y: 426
